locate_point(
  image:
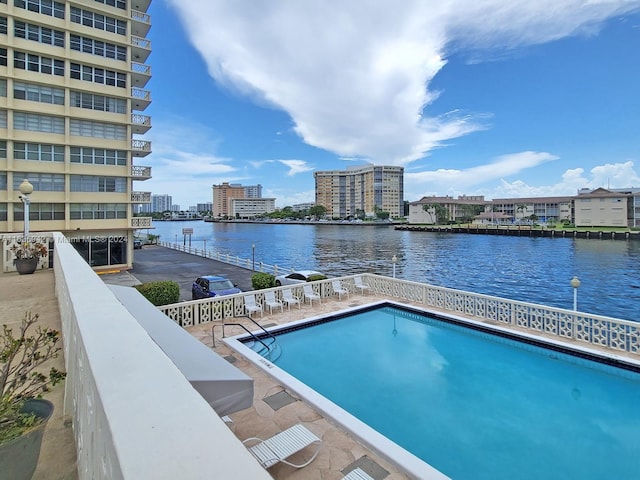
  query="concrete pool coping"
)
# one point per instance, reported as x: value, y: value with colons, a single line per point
x: 369, y: 437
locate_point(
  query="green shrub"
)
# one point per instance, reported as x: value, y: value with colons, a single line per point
x: 313, y: 278
x: 161, y: 292
x: 261, y: 281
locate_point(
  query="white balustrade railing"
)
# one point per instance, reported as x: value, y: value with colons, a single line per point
x: 247, y: 263
x: 135, y: 415
x: 579, y: 327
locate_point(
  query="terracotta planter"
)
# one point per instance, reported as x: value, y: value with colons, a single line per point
x: 25, y: 266
x: 19, y: 457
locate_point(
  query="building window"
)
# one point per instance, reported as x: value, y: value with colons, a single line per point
x: 3, y: 25
x: 3, y: 181
x: 98, y: 75
x: 98, y: 21
x: 97, y: 211
x: 3, y: 57
x: 122, y: 4
x: 91, y: 183
x: 42, y: 182
x: 38, y: 151
x: 40, y: 211
x: 3, y: 119
x: 97, y: 47
x: 38, y: 123
x: 98, y: 102
x: 87, y: 128
x: 46, y: 7
x: 3, y: 150
x: 3, y: 212
x: 98, y: 156
x: 39, y: 34
x: 36, y: 63
x: 38, y: 93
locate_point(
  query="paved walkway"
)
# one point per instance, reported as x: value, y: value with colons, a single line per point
x: 35, y: 293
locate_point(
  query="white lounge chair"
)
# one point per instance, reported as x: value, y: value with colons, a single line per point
x: 357, y: 474
x: 250, y: 305
x: 289, y: 298
x: 271, y: 302
x: 284, y: 444
x: 309, y: 294
x: 339, y: 289
x: 363, y: 287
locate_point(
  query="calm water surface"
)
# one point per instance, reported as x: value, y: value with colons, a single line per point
x: 536, y: 270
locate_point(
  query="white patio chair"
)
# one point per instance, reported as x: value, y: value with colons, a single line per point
x: 250, y: 305
x: 284, y: 444
x: 309, y: 294
x: 271, y: 302
x: 357, y: 474
x: 339, y: 289
x: 289, y: 298
x: 363, y: 287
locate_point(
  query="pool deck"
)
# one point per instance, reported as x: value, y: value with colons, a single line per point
x: 274, y: 408
x: 340, y: 450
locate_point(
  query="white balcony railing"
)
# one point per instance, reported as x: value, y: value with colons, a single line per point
x: 141, y: 222
x: 582, y: 328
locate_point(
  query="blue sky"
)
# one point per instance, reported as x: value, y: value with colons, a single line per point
x: 475, y: 97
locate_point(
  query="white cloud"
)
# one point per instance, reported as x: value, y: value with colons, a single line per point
x: 474, y: 181
x: 355, y: 76
x: 296, y: 166
x: 448, y: 180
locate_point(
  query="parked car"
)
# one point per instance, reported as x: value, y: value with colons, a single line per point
x: 137, y: 244
x: 212, y: 286
x: 299, y: 276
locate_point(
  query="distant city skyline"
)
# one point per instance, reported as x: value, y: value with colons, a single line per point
x: 471, y: 98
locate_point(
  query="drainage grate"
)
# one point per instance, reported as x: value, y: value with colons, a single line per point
x: 279, y: 400
x: 231, y: 359
x: 369, y: 466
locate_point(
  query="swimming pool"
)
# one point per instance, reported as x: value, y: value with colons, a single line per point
x: 471, y: 403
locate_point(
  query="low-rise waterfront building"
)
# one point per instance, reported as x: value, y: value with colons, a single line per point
x: 248, y: 208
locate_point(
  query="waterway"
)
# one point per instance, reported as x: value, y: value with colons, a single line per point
x: 537, y: 270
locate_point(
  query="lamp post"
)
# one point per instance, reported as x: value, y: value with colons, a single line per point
x: 25, y: 190
x: 575, y: 283
x: 253, y: 257
x: 394, y: 259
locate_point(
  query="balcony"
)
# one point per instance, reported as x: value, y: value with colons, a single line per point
x: 140, y: 48
x: 139, y: 172
x: 140, y: 148
x: 140, y: 99
x: 140, y: 74
x: 140, y: 124
x: 141, y: 222
x: 140, y: 197
x: 140, y: 23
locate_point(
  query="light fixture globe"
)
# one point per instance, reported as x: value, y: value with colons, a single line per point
x: 575, y: 283
x: 25, y: 187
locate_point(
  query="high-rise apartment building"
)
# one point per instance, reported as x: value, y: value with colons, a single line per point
x: 225, y: 191
x: 72, y: 93
x: 361, y: 190
x: 161, y: 203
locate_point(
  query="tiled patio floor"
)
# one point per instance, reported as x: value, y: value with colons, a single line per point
x: 340, y: 451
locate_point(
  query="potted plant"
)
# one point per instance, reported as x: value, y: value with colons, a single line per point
x: 23, y: 414
x: 28, y: 255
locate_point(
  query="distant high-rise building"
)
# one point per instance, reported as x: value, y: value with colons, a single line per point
x: 224, y: 192
x: 72, y: 89
x: 361, y: 190
x: 161, y: 202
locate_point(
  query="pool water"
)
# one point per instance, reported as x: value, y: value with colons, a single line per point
x: 471, y: 404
